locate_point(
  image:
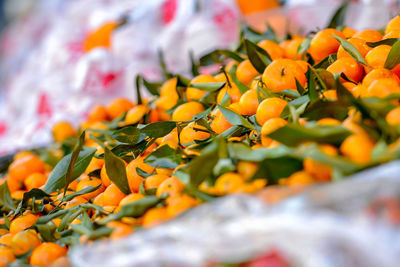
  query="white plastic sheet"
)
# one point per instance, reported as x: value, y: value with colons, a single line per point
x: 47, y: 77
x: 329, y: 225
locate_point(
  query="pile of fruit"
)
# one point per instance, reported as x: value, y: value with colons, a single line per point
x: 277, y: 113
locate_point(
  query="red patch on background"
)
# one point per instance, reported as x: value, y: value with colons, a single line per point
x: 40, y: 125
x: 107, y: 78
x: 75, y: 50
x: 168, y: 11
x: 3, y: 128
x: 97, y: 80
x: 272, y: 258
x: 223, y: 15
x: 44, y: 107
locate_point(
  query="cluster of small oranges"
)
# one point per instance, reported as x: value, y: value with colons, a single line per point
x: 266, y: 97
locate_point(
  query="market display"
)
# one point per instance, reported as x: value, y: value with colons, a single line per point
x: 271, y: 113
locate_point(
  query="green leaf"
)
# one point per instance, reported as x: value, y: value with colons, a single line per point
x: 274, y: 169
x: 296, y: 103
x: 47, y: 218
x: 35, y: 193
x: 263, y: 93
x: 5, y: 197
x: 233, y: 131
x: 209, y: 98
x: 339, y: 16
x: 142, y: 190
x: 135, y: 209
x: 48, y: 156
x: 234, y: 118
x: 270, y: 34
x: 343, y: 76
x: 182, y: 81
x: 241, y: 86
x: 46, y: 232
x: 393, y: 59
x: 164, y: 157
x: 113, y: 124
x: 202, y: 115
x: 129, y: 135
x: 148, y: 192
x: 226, y: 100
x: 75, y: 153
x: 300, y: 88
x: 326, y: 109
x: 86, y: 222
x: 340, y: 163
x: 68, y: 239
x: 85, y: 190
x: 255, y: 36
x: 79, y: 228
x: 68, y: 218
x: 152, y: 88
x: 304, y: 46
x: 100, y: 232
x: 115, y: 168
x: 143, y: 173
x: 343, y: 95
x: 7, y: 223
x: 327, y: 78
x: 373, y: 112
x: 138, y: 94
x: 258, y: 57
x: 380, y: 151
x: 158, y: 129
x: 201, y: 167
x: 389, y: 41
x: 182, y: 174
x: 312, y: 91
x: 296, y: 113
x: 203, y: 122
x: 210, y: 87
x: 223, y: 165
x: 294, y: 134
x: 319, y: 81
x: 326, y: 62
x: 351, y: 50
x: 21, y: 261
x: 241, y: 151
x: 194, y: 192
x: 218, y: 56
x: 57, y: 178
x: 136, y: 149
x: 88, y: 206
x: 289, y: 93
x: 100, y: 143
x: 195, y: 67
x: 394, y: 96
x: 379, y: 105
x: 5, y: 161
x: 163, y: 65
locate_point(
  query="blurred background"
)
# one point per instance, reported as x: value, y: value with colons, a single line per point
x: 60, y: 57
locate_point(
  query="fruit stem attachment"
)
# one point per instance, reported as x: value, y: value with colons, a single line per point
x: 222, y: 68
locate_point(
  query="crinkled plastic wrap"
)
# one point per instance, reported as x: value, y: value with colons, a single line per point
x: 345, y: 224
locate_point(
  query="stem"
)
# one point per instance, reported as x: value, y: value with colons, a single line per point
x: 222, y: 68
